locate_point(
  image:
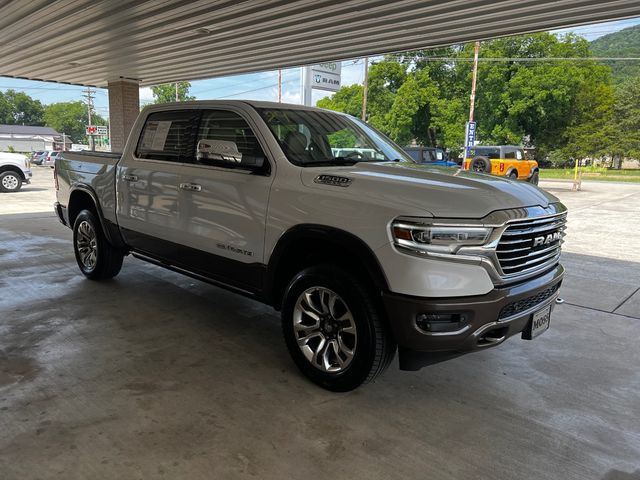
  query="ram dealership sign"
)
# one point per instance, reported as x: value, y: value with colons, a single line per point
x: 326, y: 76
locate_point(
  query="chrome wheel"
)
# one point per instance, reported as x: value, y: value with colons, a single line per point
x: 324, y: 329
x: 87, y: 245
x: 10, y: 182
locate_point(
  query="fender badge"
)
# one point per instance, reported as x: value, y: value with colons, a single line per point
x: 334, y: 180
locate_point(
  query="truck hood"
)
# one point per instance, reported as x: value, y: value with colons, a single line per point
x: 439, y: 192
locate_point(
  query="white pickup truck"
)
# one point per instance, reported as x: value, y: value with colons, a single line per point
x: 364, y: 254
x: 15, y: 169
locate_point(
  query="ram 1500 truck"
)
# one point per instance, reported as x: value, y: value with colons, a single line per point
x: 363, y: 254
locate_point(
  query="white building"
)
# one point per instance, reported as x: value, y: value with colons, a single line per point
x: 23, y: 138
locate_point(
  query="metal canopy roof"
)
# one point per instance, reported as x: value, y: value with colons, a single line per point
x: 90, y: 42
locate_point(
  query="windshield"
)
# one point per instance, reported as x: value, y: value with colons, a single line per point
x: 312, y: 138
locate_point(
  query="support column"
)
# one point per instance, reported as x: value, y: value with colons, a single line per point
x: 124, y: 106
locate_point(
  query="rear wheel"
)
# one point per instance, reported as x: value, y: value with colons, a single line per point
x: 334, y: 329
x: 96, y: 257
x: 10, y: 182
x: 513, y: 175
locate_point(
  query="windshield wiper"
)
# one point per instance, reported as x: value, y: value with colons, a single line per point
x: 337, y: 162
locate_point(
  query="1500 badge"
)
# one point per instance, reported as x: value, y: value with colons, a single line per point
x: 229, y: 248
x: 335, y: 180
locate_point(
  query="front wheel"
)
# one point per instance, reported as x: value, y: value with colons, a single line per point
x: 335, y: 329
x: 96, y: 257
x: 535, y: 178
x: 10, y: 182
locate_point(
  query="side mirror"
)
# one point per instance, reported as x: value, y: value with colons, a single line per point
x: 218, y: 150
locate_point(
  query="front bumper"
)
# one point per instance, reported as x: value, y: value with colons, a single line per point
x: 489, y: 319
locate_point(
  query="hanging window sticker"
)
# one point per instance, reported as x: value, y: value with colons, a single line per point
x: 160, y: 136
x: 149, y: 135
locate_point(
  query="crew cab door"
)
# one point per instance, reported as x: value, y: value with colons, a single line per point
x: 224, y: 199
x: 148, y: 181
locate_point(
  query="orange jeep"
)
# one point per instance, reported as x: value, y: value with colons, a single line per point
x: 503, y: 160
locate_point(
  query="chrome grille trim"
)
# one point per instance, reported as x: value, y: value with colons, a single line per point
x: 515, y: 252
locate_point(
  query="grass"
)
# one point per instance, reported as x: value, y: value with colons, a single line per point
x: 591, y: 173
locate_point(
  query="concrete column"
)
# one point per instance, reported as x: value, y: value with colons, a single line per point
x: 124, y: 106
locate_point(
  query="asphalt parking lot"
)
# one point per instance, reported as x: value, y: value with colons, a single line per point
x: 155, y: 375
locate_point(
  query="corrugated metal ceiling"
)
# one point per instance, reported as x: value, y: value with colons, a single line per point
x: 92, y: 42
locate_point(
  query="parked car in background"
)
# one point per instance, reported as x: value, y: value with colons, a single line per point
x: 430, y: 156
x: 38, y: 157
x: 504, y: 161
x: 15, y: 170
x: 51, y: 158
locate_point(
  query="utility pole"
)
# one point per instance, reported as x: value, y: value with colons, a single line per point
x: 279, y: 85
x: 177, y: 98
x: 88, y: 94
x: 474, y: 79
x: 470, y: 130
x: 365, y: 89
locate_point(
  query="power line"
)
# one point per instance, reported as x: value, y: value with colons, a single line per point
x: 517, y: 59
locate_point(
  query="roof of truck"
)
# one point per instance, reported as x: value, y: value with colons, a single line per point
x: 253, y: 103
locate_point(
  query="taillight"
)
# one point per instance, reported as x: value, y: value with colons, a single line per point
x: 501, y: 167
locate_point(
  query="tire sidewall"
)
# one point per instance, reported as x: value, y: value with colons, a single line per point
x: 90, y: 217
x: 486, y: 164
x: 535, y: 178
x: 342, y: 284
x: 12, y: 174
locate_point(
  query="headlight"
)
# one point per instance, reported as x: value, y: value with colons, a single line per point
x: 436, y: 237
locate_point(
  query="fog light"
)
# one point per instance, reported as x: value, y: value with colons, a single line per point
x: 441, y: 322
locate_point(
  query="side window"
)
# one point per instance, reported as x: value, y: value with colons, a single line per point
x: 225, y: 139
x: 428, y: 156
x: 415, y: 154
x: 168, y: 136
x: 510, y: 155
x: 520, y: 155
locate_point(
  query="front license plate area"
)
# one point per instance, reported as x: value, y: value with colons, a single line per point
x: 538, y: 324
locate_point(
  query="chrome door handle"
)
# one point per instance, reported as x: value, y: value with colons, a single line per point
x: 193, y: 187
x: 130, y: 178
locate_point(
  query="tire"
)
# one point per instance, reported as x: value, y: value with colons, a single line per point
x: 96, y: 257
x: 354, y: 323
x: 480, y: 165
x: 513, y: 175
x: 535, y: 178
x: 10, y: 181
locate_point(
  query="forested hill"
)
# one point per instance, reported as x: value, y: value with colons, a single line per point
x: 625, y: 43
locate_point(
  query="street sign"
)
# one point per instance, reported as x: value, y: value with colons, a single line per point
x: 97, y: 130
x: 326, y: 76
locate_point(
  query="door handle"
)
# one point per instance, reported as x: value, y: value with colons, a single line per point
x: 130, y: 178
x: 193, y: 187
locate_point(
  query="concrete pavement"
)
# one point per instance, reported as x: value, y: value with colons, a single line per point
x: 155, y: 375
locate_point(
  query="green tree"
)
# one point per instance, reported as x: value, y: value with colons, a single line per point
x: 71, y: 118
x: 167, y: 92
x: 18, y: 108
x: 423, y: 96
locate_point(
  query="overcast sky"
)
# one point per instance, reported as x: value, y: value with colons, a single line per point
x: 258, y: 86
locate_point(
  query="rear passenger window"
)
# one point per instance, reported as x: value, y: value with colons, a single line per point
x: 225, y: 139
x: 169, y: 136
x: 510, y: 155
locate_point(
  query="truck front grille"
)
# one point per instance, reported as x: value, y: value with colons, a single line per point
x: 527, y: 303
x: 531, y: 244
